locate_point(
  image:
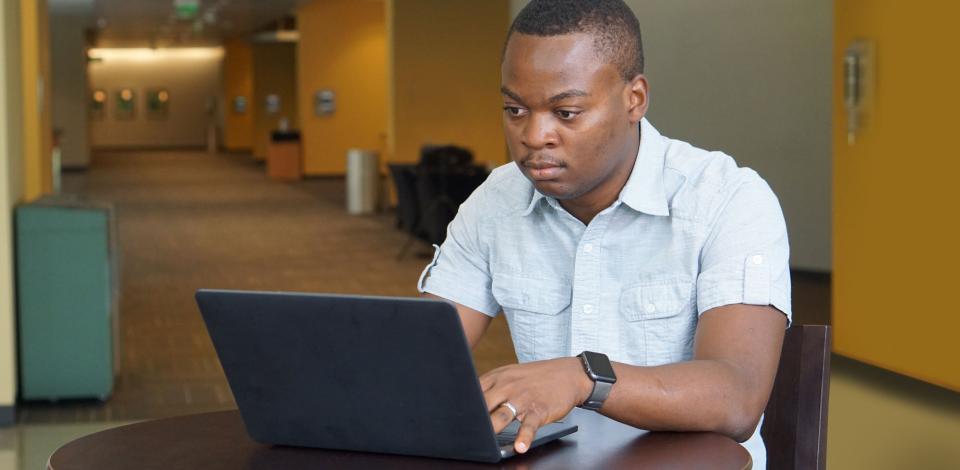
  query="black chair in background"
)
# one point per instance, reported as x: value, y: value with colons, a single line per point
x: 408, y: 207
x: 430, y: 192
x: 440, y: 192
x: 445, y: 156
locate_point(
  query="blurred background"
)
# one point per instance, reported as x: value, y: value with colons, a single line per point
x: 154, y: 147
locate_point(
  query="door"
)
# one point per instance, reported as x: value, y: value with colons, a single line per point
x: 896, y: 202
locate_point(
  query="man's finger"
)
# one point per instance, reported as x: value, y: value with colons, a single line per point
x: 528, y: 430
x: 501, y: 417
x: 494, y: 398
x: 487, y: 381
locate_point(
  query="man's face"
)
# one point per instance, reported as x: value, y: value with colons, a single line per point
x: 568, y: 115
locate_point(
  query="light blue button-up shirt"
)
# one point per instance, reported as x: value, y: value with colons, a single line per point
x: 689, y: 232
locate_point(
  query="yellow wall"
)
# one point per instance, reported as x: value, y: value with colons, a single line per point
x: 238, y: 81
x: 445, y: 76
x: 274, y: 72
x: 37, y: 118
x: 342, y: 48
x: 894, y: 189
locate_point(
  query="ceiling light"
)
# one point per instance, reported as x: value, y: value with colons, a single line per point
x: 106, y: 54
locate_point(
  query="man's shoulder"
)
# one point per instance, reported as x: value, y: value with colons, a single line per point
x: 705, y: 169
x: 703, y: 179
x: 505, y: 192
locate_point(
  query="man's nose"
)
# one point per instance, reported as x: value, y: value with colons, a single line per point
x: 539, y: 132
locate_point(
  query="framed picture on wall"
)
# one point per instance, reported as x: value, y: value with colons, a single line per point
x: 125, y: 104
x: 239, y: 104
x: 272, y: 103
x: 98, y: 104
x: 158, y: 103
x: 324, y: 103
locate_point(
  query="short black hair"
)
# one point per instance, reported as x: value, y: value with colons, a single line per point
x: 614, y: 27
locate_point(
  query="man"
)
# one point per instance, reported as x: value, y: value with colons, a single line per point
x: 604, y: 236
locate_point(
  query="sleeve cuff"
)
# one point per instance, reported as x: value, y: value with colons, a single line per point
x: 446, y: 285
x: 734, y: 293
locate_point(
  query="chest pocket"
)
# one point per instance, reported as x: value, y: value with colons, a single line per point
x: 538, y: 313
x: 660, y: 320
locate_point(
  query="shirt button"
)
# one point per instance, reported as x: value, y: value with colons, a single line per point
x: 588, y: 247
x: 757, y: 259
x: 588, y: 309
x: 650, y: 308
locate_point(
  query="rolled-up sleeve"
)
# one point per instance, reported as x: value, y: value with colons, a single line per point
x: 746, y: 257
x: 459, y: 271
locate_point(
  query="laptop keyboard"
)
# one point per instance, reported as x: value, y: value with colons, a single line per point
x: 508, y: 434
x: 506, y: 438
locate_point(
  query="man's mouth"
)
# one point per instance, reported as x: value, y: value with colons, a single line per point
x: 543, y: 170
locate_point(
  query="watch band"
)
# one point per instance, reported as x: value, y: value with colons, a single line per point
x: 601, y: 390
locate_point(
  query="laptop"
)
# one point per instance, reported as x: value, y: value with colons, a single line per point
x: 369, y: 374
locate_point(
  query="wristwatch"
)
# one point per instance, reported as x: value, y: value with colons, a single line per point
x: 598, y: 368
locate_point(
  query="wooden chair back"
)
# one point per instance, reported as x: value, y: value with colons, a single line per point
x: 795, y: 421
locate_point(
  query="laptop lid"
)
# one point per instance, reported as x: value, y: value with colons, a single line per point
x: 373, y: 374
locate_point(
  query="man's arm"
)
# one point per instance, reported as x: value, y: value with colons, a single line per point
x: 475, y: 323
x: 723, y: 389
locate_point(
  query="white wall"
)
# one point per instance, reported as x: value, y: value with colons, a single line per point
x: 11, y: 191
x: 751, y: 78
x: 68, y: 61
x: 191, y: 75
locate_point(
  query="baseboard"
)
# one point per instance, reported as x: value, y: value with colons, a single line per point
x: 8, y: 415
x: 325, y: 177
x: 237, y: 151
x: 811, y: 275
x: 908, y: 388
x: 148, y: 148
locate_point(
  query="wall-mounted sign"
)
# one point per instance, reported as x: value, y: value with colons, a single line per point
x: 98, y: 104
x: 324, y: 103
x: 239, y: 104
x: 125, y: 104
x: 186, y: 9
x: 272, y: 104
x: 158, y: 103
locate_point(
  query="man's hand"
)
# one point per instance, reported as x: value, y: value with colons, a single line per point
x: 541, y: 391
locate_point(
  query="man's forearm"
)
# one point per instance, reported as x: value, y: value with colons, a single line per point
x: 699, y: 395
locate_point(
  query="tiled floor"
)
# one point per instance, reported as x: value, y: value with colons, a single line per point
x: 188, y: 220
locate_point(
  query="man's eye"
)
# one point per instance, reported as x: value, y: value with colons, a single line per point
x: 513, y: 110
x: 566, y: 114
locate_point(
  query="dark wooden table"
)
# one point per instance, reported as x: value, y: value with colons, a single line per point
x: 219, y: 441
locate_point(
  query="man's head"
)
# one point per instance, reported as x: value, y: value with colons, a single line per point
x: 574, y: 94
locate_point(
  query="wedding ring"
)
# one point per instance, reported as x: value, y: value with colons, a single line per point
x: 509, y: 406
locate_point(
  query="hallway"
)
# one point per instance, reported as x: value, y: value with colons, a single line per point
x: 188, y: 220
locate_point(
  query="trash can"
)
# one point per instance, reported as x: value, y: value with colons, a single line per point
x: 363, y: 176
x: 283, y: 156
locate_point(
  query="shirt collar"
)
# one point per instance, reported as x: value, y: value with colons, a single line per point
x: 534, y: 201
x: 644, y: 190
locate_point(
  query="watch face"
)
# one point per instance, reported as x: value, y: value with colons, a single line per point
x: 599, y: 365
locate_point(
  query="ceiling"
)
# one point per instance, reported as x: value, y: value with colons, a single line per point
x: 155, y: 23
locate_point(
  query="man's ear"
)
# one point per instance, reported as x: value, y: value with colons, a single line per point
x: 638, y: 98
